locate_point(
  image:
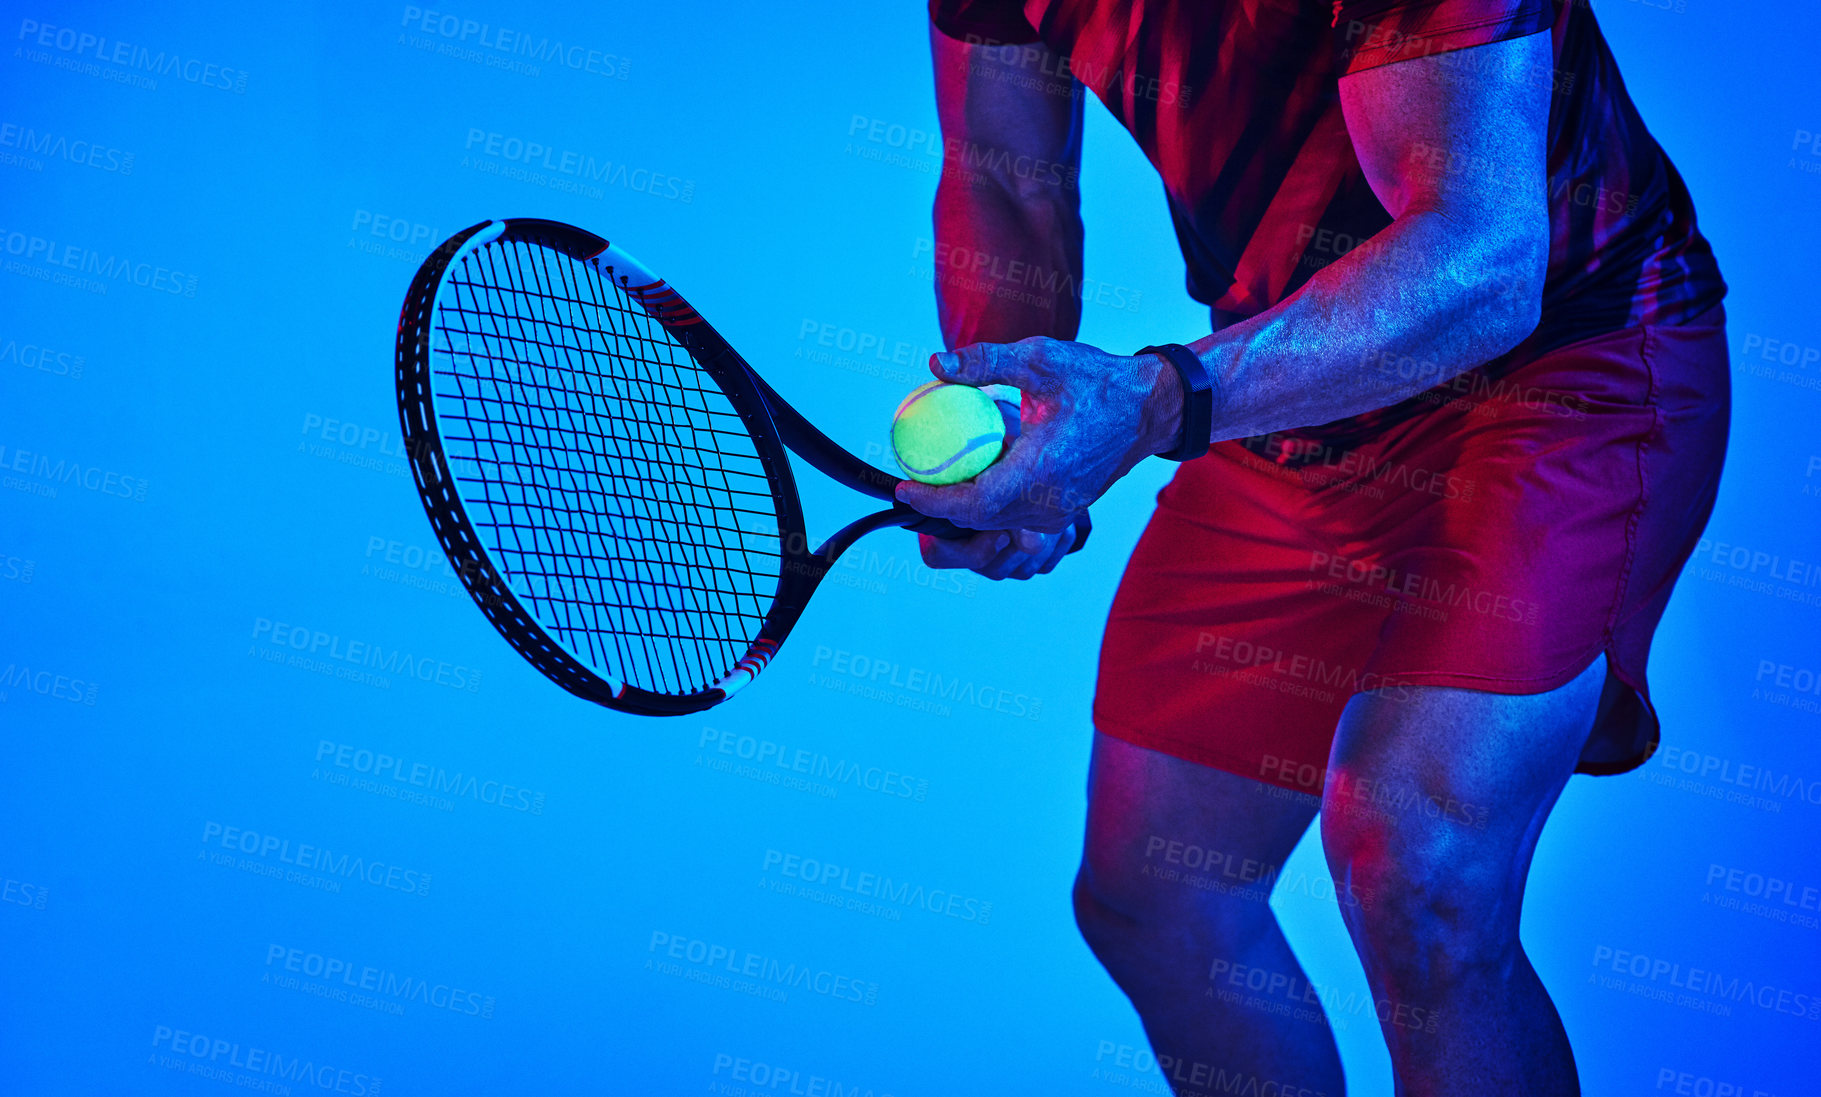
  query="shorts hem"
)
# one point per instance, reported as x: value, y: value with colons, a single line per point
x: 1203, y: 755
x: 1199, y: 754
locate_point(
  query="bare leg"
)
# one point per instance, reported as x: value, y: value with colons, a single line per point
x: 1434, y: 801
x: 1171, y: 896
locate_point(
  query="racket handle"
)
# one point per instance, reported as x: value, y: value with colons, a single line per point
x: 949, y: 531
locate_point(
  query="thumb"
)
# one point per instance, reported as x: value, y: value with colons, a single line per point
x: 987, y: 364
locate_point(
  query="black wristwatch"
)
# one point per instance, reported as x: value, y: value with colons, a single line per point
x: 1197, y: 401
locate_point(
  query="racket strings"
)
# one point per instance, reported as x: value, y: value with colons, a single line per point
x: 592, y: 577
x: 612, y: 483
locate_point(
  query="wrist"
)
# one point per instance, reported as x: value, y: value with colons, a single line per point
x: 1160, y: 423
x: 1187, y: 405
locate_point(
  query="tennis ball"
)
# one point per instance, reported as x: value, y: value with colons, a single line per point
x: 944, y: 434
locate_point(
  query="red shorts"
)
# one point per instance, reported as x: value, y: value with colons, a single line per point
x: 1498, y: 541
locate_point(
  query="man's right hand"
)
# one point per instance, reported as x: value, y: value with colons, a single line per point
x: 1000, y: 553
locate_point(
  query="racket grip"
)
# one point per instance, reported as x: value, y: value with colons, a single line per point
x: 949, y: 531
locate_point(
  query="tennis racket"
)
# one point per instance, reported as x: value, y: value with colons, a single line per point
x: 607, y: 475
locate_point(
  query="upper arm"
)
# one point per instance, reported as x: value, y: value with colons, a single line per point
x: 1445, y: 115
x: 1463, y: 132
x: 1007, y: 117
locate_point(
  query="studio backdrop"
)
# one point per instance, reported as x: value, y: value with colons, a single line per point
x: 281, y: 811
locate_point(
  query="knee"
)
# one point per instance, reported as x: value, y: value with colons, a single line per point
x: 1421, y: 896
x: 1108, y: 927
x: 1139, y: 932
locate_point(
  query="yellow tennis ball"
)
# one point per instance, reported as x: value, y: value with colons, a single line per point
x: 944, y: 434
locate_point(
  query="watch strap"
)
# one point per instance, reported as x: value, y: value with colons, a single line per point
x: 1197, y: 400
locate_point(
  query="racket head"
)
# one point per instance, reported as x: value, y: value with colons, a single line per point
x: 599, y: 466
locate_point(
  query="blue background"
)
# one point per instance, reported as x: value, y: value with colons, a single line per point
x: 240, y: 435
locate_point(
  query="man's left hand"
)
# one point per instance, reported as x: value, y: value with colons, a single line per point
x: 1087, y: 418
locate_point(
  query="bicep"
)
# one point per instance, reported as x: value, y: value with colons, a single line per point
x: 1006, y: 114
x: 1463, y: 133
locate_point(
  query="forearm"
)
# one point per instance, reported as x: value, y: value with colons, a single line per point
x: 1006, y: 257
x: 1006, y: 265
x: 1419, y: 303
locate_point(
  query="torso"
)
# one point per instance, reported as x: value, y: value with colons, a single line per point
x: 1236, y: 104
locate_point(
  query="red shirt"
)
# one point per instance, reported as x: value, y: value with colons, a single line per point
x: 1236, y: 104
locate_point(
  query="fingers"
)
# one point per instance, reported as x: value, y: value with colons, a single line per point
x: 1041, y: 562
x: 974, y: 553
x: 1004, y: 563
x: 1017, y: 364
x: 957, y: 502
x: 998, y: 554
x: 1016, y: 561
x: 992, y: 500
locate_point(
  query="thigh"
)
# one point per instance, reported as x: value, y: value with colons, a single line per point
x: 1167, y: 835
x: 1444, y: 791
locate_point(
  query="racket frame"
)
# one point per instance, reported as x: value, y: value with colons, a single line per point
x: 770, y: 421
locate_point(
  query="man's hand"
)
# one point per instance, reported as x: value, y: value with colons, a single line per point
x: 1087, y: 418
x: 1000, y: 553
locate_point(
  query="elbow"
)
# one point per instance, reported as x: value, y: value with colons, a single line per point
x: 1516, y: 306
